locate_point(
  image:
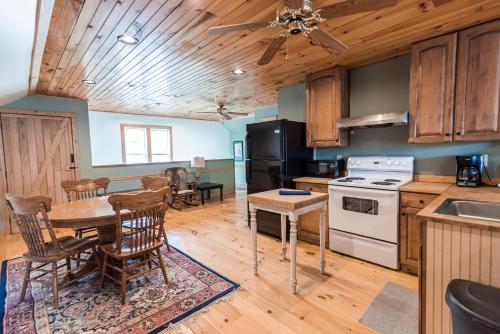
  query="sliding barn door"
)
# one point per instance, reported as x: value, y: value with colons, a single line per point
x: 39, y: 154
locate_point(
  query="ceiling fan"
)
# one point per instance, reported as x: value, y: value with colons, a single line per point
x: 223, y: 112
x: 299, y: 16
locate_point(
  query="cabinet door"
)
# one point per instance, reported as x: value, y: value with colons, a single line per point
x: 432, y: 87
x: 409, y: 239
x: 308, y: 227
x: 478, y: 84
x: 327, y: 100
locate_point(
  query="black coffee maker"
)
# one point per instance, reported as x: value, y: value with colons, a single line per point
x: 469, y: 169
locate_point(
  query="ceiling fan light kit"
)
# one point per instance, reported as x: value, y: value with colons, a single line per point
x: 299, y: 16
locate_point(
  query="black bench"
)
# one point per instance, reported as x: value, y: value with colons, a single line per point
x: 208, y: 186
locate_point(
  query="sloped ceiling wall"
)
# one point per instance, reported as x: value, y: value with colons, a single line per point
x: 17, y: 29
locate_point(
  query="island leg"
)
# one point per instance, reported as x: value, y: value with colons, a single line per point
x: 293, y: 252
x: 253, y: 228
x: 283, y: 236
x: 322, y: 238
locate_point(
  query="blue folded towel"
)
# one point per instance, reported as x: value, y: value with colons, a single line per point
x: 294, y: 192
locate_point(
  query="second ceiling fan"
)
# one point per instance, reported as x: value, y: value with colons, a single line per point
x: 299, y: 16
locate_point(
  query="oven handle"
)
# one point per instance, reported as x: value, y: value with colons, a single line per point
x: 363, y: 192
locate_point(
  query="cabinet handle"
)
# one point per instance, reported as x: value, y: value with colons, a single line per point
x: 447, y: 134
x: 421, y: 201
x: 458, y: 133
x: 403, y: 214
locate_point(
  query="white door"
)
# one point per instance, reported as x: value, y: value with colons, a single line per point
x: 366, y: 212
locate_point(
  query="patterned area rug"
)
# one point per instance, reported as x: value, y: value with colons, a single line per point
x: 86, y: 308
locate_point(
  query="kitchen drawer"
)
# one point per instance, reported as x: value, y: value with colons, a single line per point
x: 416, y: 200
x: 319, y: 188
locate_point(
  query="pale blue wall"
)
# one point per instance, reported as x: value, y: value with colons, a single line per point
x: 190, y: 137
x: 384, y: 87
x: 264, y: 112
x: 292, y: 103
x: 224, y: 167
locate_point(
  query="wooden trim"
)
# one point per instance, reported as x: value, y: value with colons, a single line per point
x: 204, y: 171
x: 4, y: 224
x: 148, y: 140
x: 37, y: 113
x: 42, y: 24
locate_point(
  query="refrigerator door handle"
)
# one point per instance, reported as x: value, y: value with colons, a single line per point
x: 248, y: 142
x: 248, y: 171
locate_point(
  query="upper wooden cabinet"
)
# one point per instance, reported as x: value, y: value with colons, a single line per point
x: 432, y: 87
x: 455, y: 87
x: 327, y: 100
x: 478, y: 84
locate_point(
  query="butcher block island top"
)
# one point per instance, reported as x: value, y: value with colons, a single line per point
x: 481, y: 194
x: 291, y: 202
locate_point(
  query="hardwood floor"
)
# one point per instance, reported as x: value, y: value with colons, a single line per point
x: 217, y: 235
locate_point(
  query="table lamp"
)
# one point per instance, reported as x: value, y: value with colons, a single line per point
x: 197, y: 163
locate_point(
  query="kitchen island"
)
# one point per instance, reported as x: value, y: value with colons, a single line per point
x: 455, y: 247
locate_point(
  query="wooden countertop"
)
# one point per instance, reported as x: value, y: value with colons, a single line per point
x: 317, y: 180
x: 436, y: 188
x: 482, y: 194
x: 291, y: 202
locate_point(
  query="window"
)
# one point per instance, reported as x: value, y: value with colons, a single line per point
x: 146, y: 143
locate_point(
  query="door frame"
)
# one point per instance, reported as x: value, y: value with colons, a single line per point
x: 4, y: 215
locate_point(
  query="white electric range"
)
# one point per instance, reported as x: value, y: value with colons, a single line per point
x: 364, y: 208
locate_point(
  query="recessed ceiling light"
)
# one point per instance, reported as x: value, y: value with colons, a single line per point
x: 128, y: 39
x: 238, y: 71
x: 88, y: 82
x: 178, y: 95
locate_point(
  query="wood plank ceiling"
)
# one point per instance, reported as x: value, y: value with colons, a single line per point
x: 177, y: 69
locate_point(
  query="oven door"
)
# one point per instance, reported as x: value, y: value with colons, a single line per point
x: 371, y: 213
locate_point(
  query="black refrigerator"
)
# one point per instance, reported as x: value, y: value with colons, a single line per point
x: 276, y: 153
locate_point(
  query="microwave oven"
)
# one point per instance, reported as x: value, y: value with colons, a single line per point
x: 331, y: 169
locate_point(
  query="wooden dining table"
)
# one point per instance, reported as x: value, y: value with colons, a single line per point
x: 87, y: 213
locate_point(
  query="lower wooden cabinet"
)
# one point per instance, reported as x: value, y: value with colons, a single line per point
x: 409, y: 229
x: 308, y: 226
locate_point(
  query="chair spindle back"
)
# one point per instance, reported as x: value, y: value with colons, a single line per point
x: 26, y: 212
x: 86, y: 188
x: 146, y: 214
x: 155, y: 183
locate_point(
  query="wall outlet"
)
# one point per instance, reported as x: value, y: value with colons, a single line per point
x: 485, y: 160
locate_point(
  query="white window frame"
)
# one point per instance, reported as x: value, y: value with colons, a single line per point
x: 148, y: 129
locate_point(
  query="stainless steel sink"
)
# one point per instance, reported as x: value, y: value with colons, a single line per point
x: 470, y: 209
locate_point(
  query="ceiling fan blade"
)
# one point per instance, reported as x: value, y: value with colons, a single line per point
x: 237, y: 27
x: 328, y: 42
x: 273, y: 48
x: 238, y: 113
x: 438, y: 3
x: 351, y: 7
x: 204, y: 112
x: 293, y: 4
x: 227, y: 117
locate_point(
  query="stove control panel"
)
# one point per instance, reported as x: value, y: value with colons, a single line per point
x: 381, y: 163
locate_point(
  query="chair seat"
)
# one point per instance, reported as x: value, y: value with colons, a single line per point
x: 185, y: 192
x: 70, y: 245
x: 127, y: 249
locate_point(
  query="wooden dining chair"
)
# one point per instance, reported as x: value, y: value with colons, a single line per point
x: 141, y: 241
x: 30, y: 216
x: 84, y: 189
x: 156, y: 183
x: 183, y: 191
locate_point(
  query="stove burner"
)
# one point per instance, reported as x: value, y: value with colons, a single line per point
x: 383, y: 183
x: 354, y: 178
x: 392, y: 180
x: 343, y: 180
